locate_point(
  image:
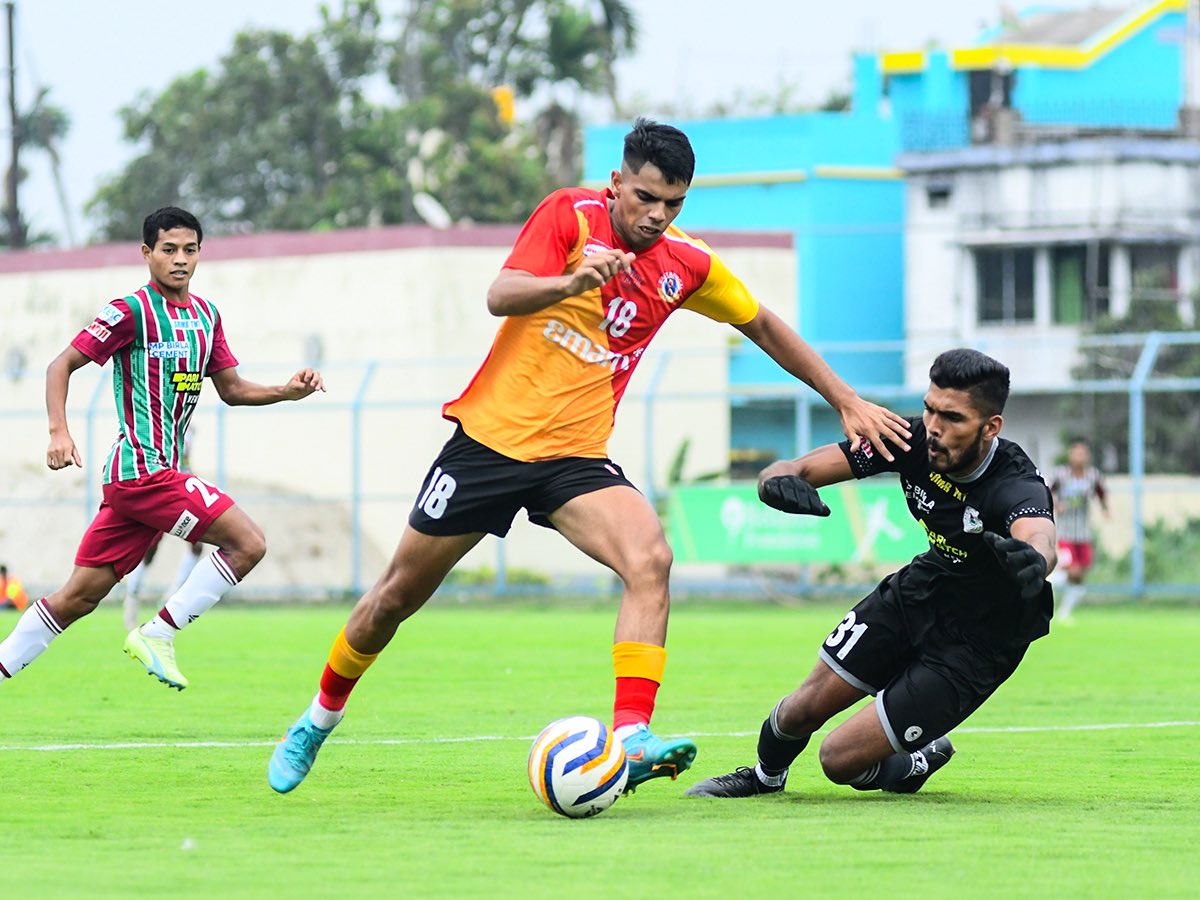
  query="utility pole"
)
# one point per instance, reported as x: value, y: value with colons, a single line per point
x: 12, y: 211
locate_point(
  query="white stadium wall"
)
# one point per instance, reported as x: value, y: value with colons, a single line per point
x: 410, y: 300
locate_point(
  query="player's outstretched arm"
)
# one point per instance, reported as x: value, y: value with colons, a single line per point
x: 861, y: 420
x: 62, y: 451
x: 519, y: 293
x: 237, y: 391
x: 790, y: 484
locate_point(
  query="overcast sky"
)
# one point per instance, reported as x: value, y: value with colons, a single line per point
x: 97, y: 57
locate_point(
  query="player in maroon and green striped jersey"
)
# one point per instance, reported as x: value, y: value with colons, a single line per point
x: 163, y: 341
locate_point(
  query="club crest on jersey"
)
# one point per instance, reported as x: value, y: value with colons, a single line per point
x: 670, y: 286
x: 972, y: 524
x: 110, y: 315
x: 98, y: 331
x: 594, y: 246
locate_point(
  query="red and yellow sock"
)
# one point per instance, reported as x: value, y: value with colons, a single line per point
x: 639, y: 670
x: 345, y: 666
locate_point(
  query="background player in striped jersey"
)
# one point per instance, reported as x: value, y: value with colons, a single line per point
x: 163, y: 341
x: 1073, y: 486
x: 591, y: 278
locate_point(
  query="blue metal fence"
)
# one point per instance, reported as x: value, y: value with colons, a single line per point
x: 345, y: 425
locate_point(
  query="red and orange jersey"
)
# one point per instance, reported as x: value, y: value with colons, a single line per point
x: 550, y: 386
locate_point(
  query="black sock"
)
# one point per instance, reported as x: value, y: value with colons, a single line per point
x: 889, y: 772
x: 777, y: 750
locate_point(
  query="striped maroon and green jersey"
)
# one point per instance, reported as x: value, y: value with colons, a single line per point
x: 161, y: 352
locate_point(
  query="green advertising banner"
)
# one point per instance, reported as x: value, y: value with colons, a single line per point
x: 728, y: 523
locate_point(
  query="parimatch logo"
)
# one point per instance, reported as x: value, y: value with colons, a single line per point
x: 187, y: 382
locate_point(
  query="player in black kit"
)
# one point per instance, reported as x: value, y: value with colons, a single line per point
x: 935, y: 639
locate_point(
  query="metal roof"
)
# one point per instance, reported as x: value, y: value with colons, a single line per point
x: 1066, y: 28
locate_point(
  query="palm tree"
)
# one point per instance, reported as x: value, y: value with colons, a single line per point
x: 582, y: 48
x: 43, y: 127
x: 619, y: 34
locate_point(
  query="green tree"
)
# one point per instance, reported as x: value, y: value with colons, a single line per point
x: 1172, y: 419
x: 560, y: 51
x: 258, y: 143
x: 347, y: 125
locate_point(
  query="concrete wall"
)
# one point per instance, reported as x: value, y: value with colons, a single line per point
x: 410, y: 299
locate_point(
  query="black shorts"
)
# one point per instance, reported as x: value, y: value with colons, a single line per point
x: 927, y: 673
x: 472, y: 488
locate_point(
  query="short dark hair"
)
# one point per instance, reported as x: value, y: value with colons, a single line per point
x: 165, y: 219
x: 665, y: 146
x: 985, y: 379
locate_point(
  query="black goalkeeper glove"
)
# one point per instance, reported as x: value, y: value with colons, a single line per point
x: 792, y: 494
x: 1020, y: 561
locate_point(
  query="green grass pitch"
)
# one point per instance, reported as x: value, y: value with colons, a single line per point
x: 1078, y: 779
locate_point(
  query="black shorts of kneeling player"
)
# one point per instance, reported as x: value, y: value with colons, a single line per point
x: 472, y: 488
x: 927, y: 672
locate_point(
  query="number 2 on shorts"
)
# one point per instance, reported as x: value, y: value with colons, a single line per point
x: 208, y: 492
x: 848, y: 626
x: 438, y: 494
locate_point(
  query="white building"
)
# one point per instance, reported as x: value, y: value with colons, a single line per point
x: 1018, y: 249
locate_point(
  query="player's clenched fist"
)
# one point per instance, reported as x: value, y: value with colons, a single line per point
x: 303, y: 383
x: 598, y: 268
x: 1020, y: 560
x: 62, y: 452
x: 792, y: 494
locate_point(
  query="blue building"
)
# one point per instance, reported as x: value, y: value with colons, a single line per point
x: 831, y: 178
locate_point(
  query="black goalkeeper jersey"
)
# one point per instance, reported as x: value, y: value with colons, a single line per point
x: 959, y: 572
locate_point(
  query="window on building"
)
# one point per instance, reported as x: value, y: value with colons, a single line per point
x: 1154, y: 271
x: 1080, y: 282
x: 989, y: 88
x: 1005, y: 284
x: 938, y: 193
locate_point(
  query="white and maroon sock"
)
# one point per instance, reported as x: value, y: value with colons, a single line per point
x: 33, y: 633
x: 209, y: 581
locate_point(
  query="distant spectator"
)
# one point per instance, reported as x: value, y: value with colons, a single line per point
x: 12, y: 592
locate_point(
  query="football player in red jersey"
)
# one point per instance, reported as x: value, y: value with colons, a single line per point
x: 591, y: 278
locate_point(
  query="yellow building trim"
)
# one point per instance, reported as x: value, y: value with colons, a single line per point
x: 1136, y: 24
x: 1048, y: 55
x: 787, y: 176
x: 903, y: 62
x: 733, y: 179
x: 1051, y: 57
x: 859, y: 173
